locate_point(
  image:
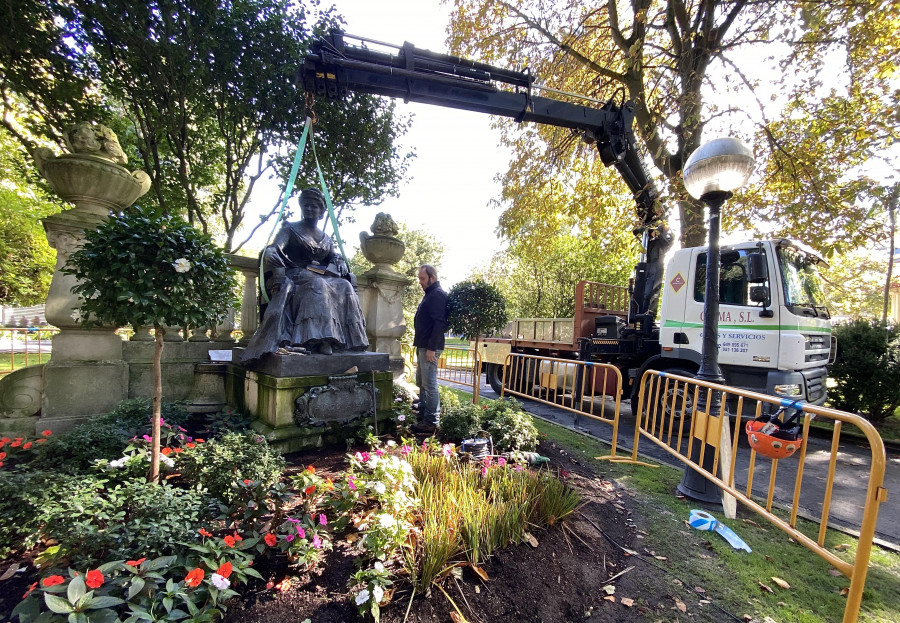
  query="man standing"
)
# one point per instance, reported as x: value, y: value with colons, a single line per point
x: 430, y: 324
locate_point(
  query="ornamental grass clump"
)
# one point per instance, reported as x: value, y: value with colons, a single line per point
x: 150, y: 270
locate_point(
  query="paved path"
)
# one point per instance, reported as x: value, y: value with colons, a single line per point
x: 851, y: 474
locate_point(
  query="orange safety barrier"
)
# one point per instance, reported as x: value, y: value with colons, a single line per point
x: 576, y: 386
x: 673, y: 414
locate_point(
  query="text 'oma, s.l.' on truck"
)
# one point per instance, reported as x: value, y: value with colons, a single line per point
x: 774, y: 330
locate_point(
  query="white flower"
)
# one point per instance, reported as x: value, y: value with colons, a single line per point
x: 386, y: 520
x: 219, y: 582
x: 377, y: 593
x: 76, y: 315
x: 362, y: 597
x: 379, y: 567
x: 166, y: 460
x: 181, y: 265
x: 391, y: 443
x: 119, y: 463
x: 379, y: 488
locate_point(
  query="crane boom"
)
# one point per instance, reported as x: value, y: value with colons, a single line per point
x: 333, y: 69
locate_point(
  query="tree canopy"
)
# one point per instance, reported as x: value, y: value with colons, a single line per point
x: 206, y: 94
x: 809, y: 84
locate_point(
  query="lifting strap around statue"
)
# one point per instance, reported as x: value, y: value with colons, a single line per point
x: 288, y: 189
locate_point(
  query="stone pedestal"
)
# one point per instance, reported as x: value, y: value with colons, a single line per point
x: 381, y: 298
x: 302, y: 402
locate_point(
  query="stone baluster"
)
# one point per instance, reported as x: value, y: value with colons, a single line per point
x: 249, y: 268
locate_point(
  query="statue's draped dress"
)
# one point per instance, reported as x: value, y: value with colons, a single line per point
x: 309, y: 308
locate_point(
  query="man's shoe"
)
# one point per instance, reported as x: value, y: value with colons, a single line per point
x: 424, y: 427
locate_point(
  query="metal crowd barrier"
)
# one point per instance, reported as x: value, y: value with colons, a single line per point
x: 576, y: 386
x: 24, y: 347
x: 457, y: 364
x: 671, y: 415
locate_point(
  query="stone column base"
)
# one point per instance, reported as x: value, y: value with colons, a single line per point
x: 74, y: 391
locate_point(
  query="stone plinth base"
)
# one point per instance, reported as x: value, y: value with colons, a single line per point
x: 178, y: 361
x: 74, y: 391
x: 322, y: 407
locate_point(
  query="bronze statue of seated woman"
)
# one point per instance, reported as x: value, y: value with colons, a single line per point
x: 312, y: 301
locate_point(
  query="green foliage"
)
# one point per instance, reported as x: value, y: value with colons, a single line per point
x: 476, y: 308
x: 98, y: 520
x: 462, y: 421
x: 220, y: 463
x: 866, y: 370
x: 26, y: 260
x: 24, y: 499
x: 148, y: 270
x: 102, y: 437
x: 509, y: 426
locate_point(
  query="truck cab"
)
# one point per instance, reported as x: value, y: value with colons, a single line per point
x: 774, y: 328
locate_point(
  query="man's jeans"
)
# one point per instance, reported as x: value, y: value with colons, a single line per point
x: 426, y: 379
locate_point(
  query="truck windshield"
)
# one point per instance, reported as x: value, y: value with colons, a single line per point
x: 802, y: 285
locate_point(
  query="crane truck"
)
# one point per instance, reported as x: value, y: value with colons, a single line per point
x: 774, y: 329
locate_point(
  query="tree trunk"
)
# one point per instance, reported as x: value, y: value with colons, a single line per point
x: 476, y: 383
x: 157, y: 404
x: 891, y: 205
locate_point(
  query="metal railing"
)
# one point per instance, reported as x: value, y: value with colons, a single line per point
x: 20, y: 347
x: 576, y: 386
x: 670, y: 414
x: 457, y: 364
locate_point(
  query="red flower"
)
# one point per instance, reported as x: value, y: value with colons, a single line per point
x: 26, y: 446
x: 4, y: 441
x: 237, y: 537
x: 28, y: 592
x: 41, y: 441
x: 179, y: 450
x: 1, y: 463
x: 329, y: 485
x: 166, y: 451
x: 2, y: 455
x: 310, y: 490
x: 191, y: 445
x: 311, y: 469
x: 134, y: 563
x: 271, y: 540
x: 16, y: 443
x: 46, y: 433
x: 200, y: 441
x: 247, y: 481
x: 194, y: 577
x: 225, y: 570
x: 229, y: 540
x: 94, y: 579
x: 205, y: 532
x: 53, y: 580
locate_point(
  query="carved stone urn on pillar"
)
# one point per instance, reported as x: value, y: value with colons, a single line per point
x: 382, y: 288
x: 86, y: 375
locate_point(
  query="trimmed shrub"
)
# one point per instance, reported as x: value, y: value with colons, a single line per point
x: 509, y: 426
x: 866, y: 371
x: 462, y: 421
x: 219, y: 463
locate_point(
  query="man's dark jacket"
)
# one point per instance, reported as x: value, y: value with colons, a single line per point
x: 431, y: 319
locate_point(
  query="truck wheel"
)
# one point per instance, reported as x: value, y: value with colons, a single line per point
x: 494, y: 376
x: 672, y: 397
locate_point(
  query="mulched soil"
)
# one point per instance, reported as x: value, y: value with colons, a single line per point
x: 559, y: 581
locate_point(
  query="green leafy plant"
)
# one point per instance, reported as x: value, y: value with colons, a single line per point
x: 222, y: 465
x: 510, y: 427
x: 476, y: 308
x: 144, y: 269
x: 461, y: 421
x: 866, y: 370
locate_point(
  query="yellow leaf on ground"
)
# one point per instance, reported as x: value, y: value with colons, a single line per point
x: 627, y: 601
x: 845, y: 591
x: 781, y: 582
x: 765, y: 587
x: 680, y: 605
x: 610, y: 598
x: 457, y: 617
x: 842, y: 547
x: 481, y: 573
x: 533, y: 542
x: 609, y: 589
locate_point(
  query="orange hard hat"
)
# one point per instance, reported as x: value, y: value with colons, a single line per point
x: 774, y: 447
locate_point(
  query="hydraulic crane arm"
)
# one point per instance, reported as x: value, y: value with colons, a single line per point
x: 333, y: 69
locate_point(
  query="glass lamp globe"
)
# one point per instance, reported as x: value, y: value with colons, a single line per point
x: 720, y: 165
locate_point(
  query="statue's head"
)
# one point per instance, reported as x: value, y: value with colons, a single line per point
x: 313, y: 198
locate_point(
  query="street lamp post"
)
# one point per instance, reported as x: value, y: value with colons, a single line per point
x: 711, y: 174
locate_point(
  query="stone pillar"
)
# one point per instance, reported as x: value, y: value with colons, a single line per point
x: 87, y: 374
x: 381, y: 290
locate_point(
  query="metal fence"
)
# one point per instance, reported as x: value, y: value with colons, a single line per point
x: 457, y: 364
x: 581, y: 387
x: 699, y: 424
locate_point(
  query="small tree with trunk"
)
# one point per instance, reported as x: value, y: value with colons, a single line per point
x: 148, y: 270
x: 476, y: 308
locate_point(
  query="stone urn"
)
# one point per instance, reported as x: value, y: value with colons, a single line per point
x: 382, y: 247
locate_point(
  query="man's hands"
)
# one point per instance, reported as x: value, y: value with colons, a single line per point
x: 430, y: 356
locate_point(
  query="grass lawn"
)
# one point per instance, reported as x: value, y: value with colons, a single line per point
x: 6, y: 363
x: 735, y: 579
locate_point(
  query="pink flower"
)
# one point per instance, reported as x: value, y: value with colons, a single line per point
x: 323, y: 520
x: 301, y: 532
x: 519, y: 468
x: 447, y: 450
x: 484, y: 470
x: 350, y: 483
x: 289, y: 538
x: 501, y: 462
x: 366, y: 457
x: 358, y: 456
x: 316, y: 541
x: 148, y: 438
x: 405, y: 450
